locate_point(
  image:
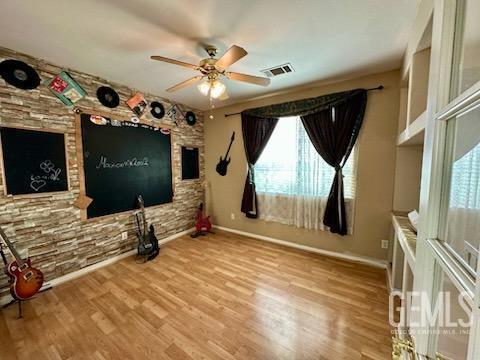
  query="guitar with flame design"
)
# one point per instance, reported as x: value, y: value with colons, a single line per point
x: 25, y: 280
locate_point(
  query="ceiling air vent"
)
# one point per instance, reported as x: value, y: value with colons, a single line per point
x: 278, y: 70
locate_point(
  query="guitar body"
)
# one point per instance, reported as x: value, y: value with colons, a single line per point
x: 26, y: 280
x: 202, y: 222
x: 144, y: 248
x: 222, y: 166
x: 154, y: 242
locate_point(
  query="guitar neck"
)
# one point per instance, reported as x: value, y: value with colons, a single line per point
x: 142, y: 211
x: 144, y: 222
x: 11, y: 247
x: 229, y: 147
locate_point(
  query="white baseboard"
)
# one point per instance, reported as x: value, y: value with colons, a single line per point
x: 356, y: 258
x: 76, y: 274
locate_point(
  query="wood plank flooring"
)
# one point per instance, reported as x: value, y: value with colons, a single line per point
x: 218, y: 297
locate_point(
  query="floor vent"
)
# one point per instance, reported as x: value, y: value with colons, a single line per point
x: 278, y: 70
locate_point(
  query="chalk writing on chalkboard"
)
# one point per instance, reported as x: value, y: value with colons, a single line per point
x: 34, y: 161
x: 133, y: 162
x: 122, y: 159
x: 49, y: 173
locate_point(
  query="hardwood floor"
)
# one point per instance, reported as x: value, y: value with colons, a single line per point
x: 218, y: 297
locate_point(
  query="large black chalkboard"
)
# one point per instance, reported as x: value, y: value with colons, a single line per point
x: 123, y: 159
x: 190, y: 167
x: 34, y: 161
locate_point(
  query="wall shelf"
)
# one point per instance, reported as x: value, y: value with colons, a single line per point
x: 413, y: 134
x: 407, y: 239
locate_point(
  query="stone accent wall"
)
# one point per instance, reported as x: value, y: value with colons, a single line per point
x: 58, y: 241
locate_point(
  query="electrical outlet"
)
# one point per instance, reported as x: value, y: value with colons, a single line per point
x: 232, y: 216
x: 124, y: 235
x: 385, y: 244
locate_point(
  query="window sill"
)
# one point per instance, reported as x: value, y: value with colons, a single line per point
x: 347, y: 199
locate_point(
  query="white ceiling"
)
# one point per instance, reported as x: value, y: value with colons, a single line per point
x: 113, y: 39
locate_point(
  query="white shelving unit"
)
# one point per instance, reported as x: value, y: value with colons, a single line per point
x: 413, y: 134
x: 408, y: 168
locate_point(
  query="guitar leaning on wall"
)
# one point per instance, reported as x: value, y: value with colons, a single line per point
x: 223, y: 163
x: 147, y: 241
x: 25, y: 280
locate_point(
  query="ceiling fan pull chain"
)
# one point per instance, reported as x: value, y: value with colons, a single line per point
x: 211, y: 107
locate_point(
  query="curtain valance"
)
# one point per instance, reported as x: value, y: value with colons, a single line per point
x: 304, y: 106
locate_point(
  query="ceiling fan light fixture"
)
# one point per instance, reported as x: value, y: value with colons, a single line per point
x: 204, y: 87
x: 211, y: 69
x: 217, y: 89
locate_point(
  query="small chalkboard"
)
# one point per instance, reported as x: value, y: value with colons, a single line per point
x: 121, y: 160
x: 190, y: 167
x: 34, y: 162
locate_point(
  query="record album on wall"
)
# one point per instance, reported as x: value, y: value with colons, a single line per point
x: 108, y: 97
x: 19, y: 74
x: 157, y: 110
x: 66, y: 89
x: 190, y: 118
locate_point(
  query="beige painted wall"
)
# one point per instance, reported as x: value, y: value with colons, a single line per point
x: 375, y: 170
x: 408, y: 172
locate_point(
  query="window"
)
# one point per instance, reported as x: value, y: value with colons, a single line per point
x: 290, y: 165
x: 461, y: 218
x: 293, y: 181
x: 466, y: 60
x: 452, y: 340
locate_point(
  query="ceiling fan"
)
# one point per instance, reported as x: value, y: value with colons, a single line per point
x: 211, y: 69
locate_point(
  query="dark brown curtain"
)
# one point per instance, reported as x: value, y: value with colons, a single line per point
x: 256, y: 133
x: 333, y: 132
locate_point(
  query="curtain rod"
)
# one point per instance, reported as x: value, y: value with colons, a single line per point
x: 380, y: 87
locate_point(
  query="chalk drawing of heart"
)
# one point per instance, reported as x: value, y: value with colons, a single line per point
x: 37, y: 184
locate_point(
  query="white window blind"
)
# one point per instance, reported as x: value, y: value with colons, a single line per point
x: 461, y: 226
x: 290, y: 165
x: 293, y: 181
x: 465, y: 190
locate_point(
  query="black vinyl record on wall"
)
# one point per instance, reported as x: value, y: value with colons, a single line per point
x: 19, y: 74
x: 108, y: 97
x: 157, y: 111
x: 190, y: 118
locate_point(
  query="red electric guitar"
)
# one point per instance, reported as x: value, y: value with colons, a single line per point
x: 25, y: 280
x: 203, y: 224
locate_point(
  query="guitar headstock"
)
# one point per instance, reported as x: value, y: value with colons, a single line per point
x: 141, y: 204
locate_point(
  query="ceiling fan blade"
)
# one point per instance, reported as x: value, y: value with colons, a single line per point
x: 233, y: 54
x: 176, y: 62
x: 248, y: 78
x: 185, y: 83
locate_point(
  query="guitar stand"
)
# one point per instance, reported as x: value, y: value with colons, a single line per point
x: 201, y: 233
x: 141, y: 259
x: 20, y: 310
